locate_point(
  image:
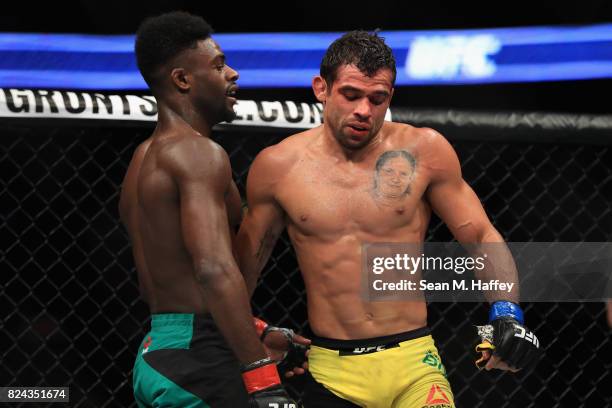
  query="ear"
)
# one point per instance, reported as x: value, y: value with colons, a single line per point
x: 319, y: 87
x: 180, y: 79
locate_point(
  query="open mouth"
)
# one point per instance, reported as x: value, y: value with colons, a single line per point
x: 231, y: 92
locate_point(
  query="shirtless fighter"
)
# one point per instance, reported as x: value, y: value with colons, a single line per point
x: 354, y: 180
x: 180, y: 206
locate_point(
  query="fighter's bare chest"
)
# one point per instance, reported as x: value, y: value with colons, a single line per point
x: 323, y: 198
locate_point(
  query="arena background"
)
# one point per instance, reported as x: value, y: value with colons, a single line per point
x: 69, y: 307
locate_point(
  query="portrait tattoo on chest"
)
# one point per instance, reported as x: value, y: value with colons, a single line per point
x: 393, y: 176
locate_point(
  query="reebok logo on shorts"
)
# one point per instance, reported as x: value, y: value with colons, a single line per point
x: 436, y: 398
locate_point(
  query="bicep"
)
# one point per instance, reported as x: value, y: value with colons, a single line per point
x: 453, y: 200
x: 264, y: 218
x: 202, y: 175
x: 459, y: 208
x: 261, y: 226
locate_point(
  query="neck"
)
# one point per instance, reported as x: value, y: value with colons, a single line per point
x: 331, y: 144
x: 169, y: 112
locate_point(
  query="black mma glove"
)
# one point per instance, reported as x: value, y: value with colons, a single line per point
x: 294, y: 356
x: 506, y: 337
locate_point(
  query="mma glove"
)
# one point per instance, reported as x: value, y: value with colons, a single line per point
x: 264, y: 386
x: 506, y: 337
x: 295, y: 355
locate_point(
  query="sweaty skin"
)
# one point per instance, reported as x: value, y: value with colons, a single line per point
x: 181, y: 206
x: 151, y: 203
x: 325, y: 187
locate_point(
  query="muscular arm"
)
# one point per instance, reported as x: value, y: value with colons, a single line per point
x: 202, y: 173
x: 454, y: 201
x: 264, y: 219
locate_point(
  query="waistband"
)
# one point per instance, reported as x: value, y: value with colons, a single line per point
x: 197, y: 321
x: 350, y: 345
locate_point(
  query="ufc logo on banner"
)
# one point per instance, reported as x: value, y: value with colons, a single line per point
x: 285, y: 405
x: 523, y: 334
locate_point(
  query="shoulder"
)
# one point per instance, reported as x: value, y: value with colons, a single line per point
x: 128, y: 186
x: 190, y: 145
x: 433, y: 151
x: 426, y: 142
x: 135, y: 164
x: 141, y: 150
x: 193, y: 154
x: 421, y: 137
x: 277, y: 160
x: 137, y: 158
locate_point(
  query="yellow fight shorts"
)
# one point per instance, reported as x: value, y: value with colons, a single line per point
x: 398, y: 371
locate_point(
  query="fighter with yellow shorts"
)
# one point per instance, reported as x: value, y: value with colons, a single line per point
x: 403, y: 370
x: 354, y: 181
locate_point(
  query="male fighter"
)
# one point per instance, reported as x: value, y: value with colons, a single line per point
x: 180, y: 206
x: 357, y: 179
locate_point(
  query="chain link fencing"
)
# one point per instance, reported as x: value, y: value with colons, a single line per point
x: 70, y: 312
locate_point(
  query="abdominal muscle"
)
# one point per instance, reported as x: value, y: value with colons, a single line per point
x: 337, y: 305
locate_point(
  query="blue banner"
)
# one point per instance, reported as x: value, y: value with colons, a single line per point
x: 443, y: 57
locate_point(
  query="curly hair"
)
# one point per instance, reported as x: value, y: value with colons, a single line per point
x: 367, y: 51
x: 161, y: 38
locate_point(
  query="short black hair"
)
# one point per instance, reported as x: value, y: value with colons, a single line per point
x: 367, y: 51
x: 161, y: 38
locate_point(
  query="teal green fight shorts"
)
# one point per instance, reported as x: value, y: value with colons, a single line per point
x: 184, y: 362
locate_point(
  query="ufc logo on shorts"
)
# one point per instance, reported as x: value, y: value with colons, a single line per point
x: 360, y: 350
x: 529, y: 336
x: 285, y: 405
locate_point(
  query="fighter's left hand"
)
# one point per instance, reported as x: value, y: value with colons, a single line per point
x: 495, y: 362
x: 506, y: 344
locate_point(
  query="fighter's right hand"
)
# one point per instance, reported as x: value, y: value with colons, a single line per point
x: 287, y: 349
x: 264, y: 386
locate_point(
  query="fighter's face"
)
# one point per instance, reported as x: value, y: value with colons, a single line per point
x: 214, y: 84
x: 356, y: 104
